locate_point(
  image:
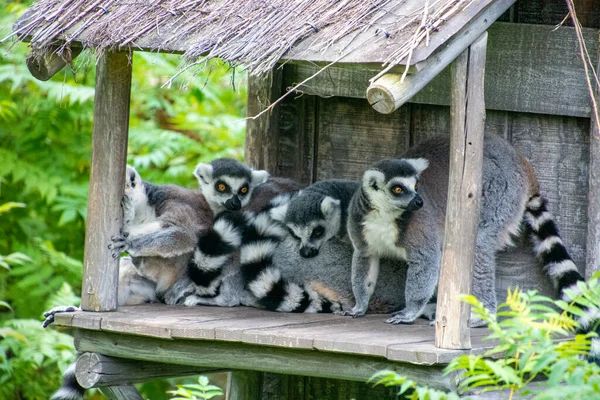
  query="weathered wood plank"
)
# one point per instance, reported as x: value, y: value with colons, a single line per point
x: 97, y: 370
x: 261, y: 133
x: 552, y: 12
x: 530, y: 68
x: 334, y: 389
x: 243, y: 385
x: 45, y: 66
x: 592, y: 264
x: 227, y: 355
x: 283, y: 387
x: 351, y: 137
x: 107, y: 180
x: 467, y: 119
x: 296, y: 146
x: 124, y: 392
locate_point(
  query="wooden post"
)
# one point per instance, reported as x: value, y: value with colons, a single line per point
x: 262, y: 133
x: 45, y: 66
x: 96, y: 370
x: 125, y: 392
x: 244, y: 385
x: 107, y: 179
x: 592, y: 264
x: 467, y: 113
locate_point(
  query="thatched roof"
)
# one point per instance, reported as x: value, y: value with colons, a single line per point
x: 255, y: 33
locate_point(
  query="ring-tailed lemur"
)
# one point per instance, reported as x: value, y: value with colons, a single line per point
x: 317, y: 214
x: 392, y: 216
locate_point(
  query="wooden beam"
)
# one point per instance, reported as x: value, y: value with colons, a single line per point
x: 45, y: 66
x: 467, y: 120
x: 235, y: 355
x: 262, y: 133
x: 592, y: 264
x: 244, y: 385
x: 97, y: 370
x: 125, y: 392
x: 107, y: 180
x: 387, y: 94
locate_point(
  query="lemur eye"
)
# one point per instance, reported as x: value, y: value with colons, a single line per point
x: 397, y: 189
x: 221, y: 187
x: 244, y: 190
x: 318, y: 231
x: 416, y: 187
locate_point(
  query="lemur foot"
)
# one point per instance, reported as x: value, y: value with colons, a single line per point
x: 119, y: 244
x: 49, y: 315
x: 401, y: 317
x: 354, y: 312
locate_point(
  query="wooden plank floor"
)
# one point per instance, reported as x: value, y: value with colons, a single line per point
x: 368, y: 335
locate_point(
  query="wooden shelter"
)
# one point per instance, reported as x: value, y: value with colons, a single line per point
x: 535, y: 95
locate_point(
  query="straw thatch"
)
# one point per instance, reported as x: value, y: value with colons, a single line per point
x: 255, y: 33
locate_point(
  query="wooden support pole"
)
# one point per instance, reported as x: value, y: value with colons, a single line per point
x: 107, y: 180
x: 592, y: 264
x: 97, y: 370
x: 387, y: 94
x: 45, y: 66
x: 244, y: 385
x: 467, y: 113
x: 125, y: 392
x: 262, y: 133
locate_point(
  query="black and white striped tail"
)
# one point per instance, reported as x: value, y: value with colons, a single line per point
x: 558, y: 264
x: 214, y: 250
x: 71, y: 389
x: 264, y: 280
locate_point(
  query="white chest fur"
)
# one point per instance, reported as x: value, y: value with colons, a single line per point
x: 381, y: 234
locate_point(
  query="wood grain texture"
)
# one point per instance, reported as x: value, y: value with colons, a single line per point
x: 227, y: 355
x: 592, y: 264
x: 261, y: 133
x: 352, y: 136
x: 124, y: 392
x: 530, y: 68
x: 552, y: 12
x: 107, y: 180
x: 45, y: 66
x: 283, y: 387
x: 243, y: 385
x: 467, y: 122
x: 334, y: 389
x: 97, y: 370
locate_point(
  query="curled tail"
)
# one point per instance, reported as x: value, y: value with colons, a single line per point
x: 558, y: 264
x: 264, y: 280
x: 70, y: 389
x: 214, y: 250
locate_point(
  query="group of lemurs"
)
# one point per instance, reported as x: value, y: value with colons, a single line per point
x: 337, y: 246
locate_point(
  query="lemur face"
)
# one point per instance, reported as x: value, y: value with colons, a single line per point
x: 310, y: 227
x: 134, y: 187
x: 392, y: 185
x: 228, y: 184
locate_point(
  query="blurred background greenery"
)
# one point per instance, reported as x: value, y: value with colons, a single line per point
x: 45, y: 150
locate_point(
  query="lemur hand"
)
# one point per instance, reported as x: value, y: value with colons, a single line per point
x: 49, y: 315
x: 119, y: 244
x: 354, y: 312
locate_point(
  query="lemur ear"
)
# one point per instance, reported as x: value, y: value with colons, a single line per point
x: 373, y: 179
x: 329, y: 205
x: 419, y: 164
x: 259, y: 177
x: 204, y: 173
x: 131, y: 175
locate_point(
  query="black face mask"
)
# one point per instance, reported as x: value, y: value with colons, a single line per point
x: 233, y: 203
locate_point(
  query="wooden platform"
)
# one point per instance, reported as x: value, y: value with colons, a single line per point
x: 248, y: 338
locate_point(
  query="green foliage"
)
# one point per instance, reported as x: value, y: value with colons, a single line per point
x: 535, y: 341
x: 200, y: 391
x: 408, y: 389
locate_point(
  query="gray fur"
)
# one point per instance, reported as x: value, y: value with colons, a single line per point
x: 419, y: 233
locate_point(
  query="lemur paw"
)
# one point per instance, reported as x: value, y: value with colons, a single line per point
x: 354, y: 312
x: 400, y: 317
x: 49, y: 315
x: 119, y: 244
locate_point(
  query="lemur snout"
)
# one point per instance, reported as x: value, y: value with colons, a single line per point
x: 415, y: 204
x: 309, y: 252
x: 233, y: 204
